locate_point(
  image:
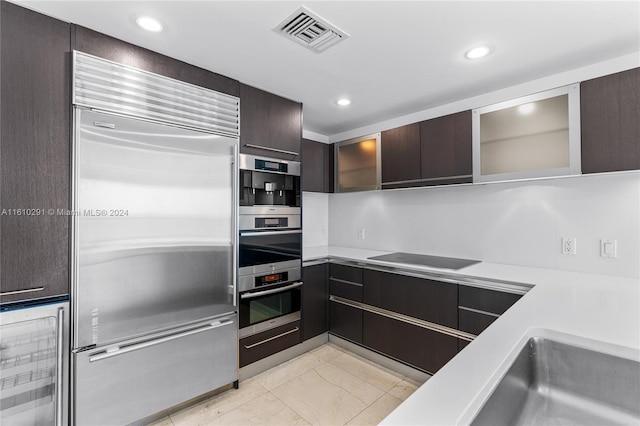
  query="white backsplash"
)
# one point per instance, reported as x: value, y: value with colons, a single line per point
x: 518, y: 223
x: 315, y: 219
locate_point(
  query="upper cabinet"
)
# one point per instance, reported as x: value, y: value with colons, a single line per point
x: 269, y: 125
x: 446, y: 149
x: 400, y: 154
x: 113, y: 49
x: 35, y: 59
x: 432, y: 152
x: 529, y: 137
x: 357, y: 164
x: 610, y: 121
x: 317, y: 166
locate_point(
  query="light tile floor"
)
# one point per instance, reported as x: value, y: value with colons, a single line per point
x: 326, y: 386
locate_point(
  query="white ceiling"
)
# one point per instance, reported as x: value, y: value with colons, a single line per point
x: 401, y: 57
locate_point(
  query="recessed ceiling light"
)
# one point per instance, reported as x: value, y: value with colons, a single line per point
x: 343, y: 102
x: 477, y: 52
x: 150, y: 24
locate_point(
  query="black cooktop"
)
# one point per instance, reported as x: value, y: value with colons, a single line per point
x: 425, y: 260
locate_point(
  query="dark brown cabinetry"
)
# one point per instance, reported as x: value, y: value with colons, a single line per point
x: 34, y: 154
x: 432, y: 152
x: 345, y: 321
x: 478, y: 308
x: 400, y: 154
x: 610, y: 122
x: 270, y: 126
x: 317, y: 166
x: 262, y: 345
x: 421, y: 298
x: 113, y: 49
x: 446, y: 151
x: 426, y: 349
x: 315, y: 295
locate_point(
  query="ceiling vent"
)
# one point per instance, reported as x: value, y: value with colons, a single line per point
x: 311, y: 31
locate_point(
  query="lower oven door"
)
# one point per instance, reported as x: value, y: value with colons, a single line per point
x: 264, y: 309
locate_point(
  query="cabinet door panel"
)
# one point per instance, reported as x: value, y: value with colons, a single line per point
x: 113, y: 49
x: 496, y: 302
x: 473, y: 322
x: 422, y: 348
x: 446, y: 148
x: 269, y: 121
x: 400, y: 154
x: 347, y: 273
x: 316, y: 166
x: 421, y: 298
x: 35, y: 151
x: 314, y: 301
x: 345, y: 321
x: 610, y: 122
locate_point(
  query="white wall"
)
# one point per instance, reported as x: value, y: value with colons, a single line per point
x: 315, y: 219
x: 518, y: 223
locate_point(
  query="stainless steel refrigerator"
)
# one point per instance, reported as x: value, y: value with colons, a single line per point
x: 154, y: 243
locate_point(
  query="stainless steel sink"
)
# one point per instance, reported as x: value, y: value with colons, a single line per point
x: 553, y: 383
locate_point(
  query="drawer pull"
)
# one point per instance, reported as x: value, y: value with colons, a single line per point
x: 271, y: 338
x: 478, y: 311
x: 462, y: 335
x: 28, y: 290
x: 268, y: 148
x: 111, y: 352
x: 345, y: 281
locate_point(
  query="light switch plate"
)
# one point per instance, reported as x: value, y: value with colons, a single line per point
x: 609, y: 248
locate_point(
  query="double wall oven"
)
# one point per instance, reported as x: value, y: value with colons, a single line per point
x: 270, y: 244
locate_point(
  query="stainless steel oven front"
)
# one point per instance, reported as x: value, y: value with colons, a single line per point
x: 269, y: 282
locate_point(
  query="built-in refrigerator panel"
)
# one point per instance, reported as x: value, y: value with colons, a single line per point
x: 153, y: 227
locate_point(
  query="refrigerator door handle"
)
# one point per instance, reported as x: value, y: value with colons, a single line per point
x: 59, y: 366
x: 272, y: 291
x: 137, y: 346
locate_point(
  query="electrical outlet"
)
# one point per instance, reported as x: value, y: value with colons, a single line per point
x: 361, y: 233
x: 568, y: 246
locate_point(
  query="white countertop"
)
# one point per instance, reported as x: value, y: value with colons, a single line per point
x: 597, y: 311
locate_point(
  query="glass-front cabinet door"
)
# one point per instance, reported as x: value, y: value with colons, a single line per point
x: 533, y: 136
x: 358, y: 164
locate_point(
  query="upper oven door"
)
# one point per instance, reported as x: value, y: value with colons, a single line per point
x: 266, y: 248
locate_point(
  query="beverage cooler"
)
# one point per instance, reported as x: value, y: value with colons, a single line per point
x: 33, y: 364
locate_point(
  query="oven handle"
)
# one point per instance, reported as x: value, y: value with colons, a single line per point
x: 259, y: 234
x: 272, y: 291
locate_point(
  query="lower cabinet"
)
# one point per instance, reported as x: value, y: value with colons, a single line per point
x: 345, y: 321
x: 261, y: 345
x: 414, y: 345
x: 314, y: 300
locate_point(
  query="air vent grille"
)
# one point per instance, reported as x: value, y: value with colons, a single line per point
x: 109, y: 86
x: 311, y: 31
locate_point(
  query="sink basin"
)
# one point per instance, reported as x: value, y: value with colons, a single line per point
x: 553, y: 383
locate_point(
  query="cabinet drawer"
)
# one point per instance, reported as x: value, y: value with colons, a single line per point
x: 425, y: 299
x: 348, y: 290
x: 474, y: 322
x: 345, y: 281
x: 261, y: 345
x: 495, y: 302
x: 346, y: 273
x: 345, y: 321
x: 413, y: 345
x: 159, y: 375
